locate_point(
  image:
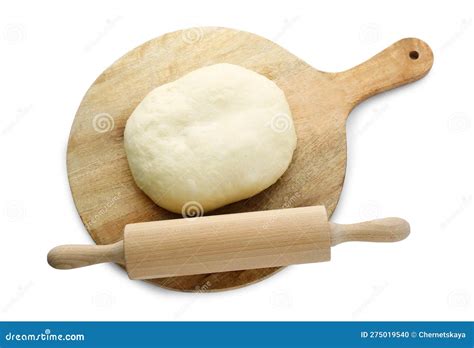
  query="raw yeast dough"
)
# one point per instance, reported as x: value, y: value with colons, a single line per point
x: 215, y: 136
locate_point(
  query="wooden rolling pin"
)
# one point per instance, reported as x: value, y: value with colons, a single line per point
x: 221, y: 243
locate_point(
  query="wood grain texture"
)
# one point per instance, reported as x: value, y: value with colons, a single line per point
x: 386, y: 230
x: 103, y: 189
x: 227, y: 242
x: 75, y: 256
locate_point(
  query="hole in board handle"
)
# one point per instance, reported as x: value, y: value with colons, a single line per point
x: 414, y: 55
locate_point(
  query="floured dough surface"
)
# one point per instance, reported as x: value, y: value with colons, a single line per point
x: 215, y: 136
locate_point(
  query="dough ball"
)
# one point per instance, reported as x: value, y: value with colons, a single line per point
x: 215, y: 136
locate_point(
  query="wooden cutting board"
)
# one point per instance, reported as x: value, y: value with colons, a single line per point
x: 103, y: 189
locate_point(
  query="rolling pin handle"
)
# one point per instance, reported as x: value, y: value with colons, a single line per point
x: 75, y: 256
x: 390, y: 229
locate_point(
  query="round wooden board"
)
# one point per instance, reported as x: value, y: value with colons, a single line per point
x: 103, y: 189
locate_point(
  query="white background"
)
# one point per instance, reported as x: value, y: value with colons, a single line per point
x: 410, y: 154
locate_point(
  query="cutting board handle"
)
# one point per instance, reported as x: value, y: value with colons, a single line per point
x: 75, y: 256
x: 390, y: 229
x: 403, y: 62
